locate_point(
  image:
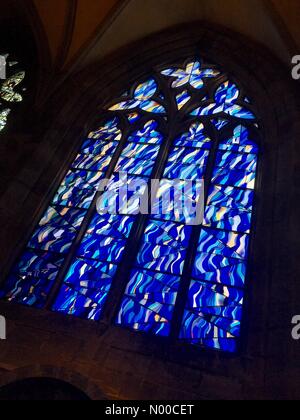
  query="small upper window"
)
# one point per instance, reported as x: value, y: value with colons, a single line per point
x: 11, y: 87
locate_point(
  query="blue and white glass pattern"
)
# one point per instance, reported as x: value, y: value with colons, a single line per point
x: 87, y: 285
x: 151, y: 294
x: 82, y: 247
x: 226, y: 98
x: 193, y: 75
x: 214, y: 308
x: 182, y: 99
x: 31, y: 281
x: 143, y: 99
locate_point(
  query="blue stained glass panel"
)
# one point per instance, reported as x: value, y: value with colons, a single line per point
x: 148, y: 134
x: 102, y: 248
x: 227, y: 93
x: 214, y: 306
x: 108, y: 132
x: 193, y: 74
x: 165, y: 259
x: 159, y: 310
x: 73, y: 302
x: 197, y: 327
x: 57, y: 229
x: 145, y: 318
x: 169, y: 234
x: 194, y: 138
x: 182, y: 99
x: 240, y: 162
x: 89, y: 280
x: 213, y: 312
x: 145, y: 282
x: 142, y: 99
x: 140, y: 151
x: 225, y: 218
x: 215, y: 327
x: 220, y: 123
x: 115, y: 226
x: 150, y: 297
x: 98, y: 147
x: 123, y: 196
x: 149, y: 301
x: 136, y: 166
x: 92, y: 163
x: 227, y: 244
x: 229, y: 312
x: 205, y: 295
x: 240, y: 179
x: 105, y: 239
x: 152, y: 106
x: 32, y: 279
x: 240, y: 142
x: 218, y: 269
x: 188, y: 156
x: 151, y: 294
x: 181, y: 164
x: 145, y: 91
x: 183, y: 198
x: 152, y: 291
x: 78, y: 189
x: 138, y: 159
x: 225, y: 102
x: 85, y: 289
x: 232, y: 198
x: 238, y: 111
x: 130, y: 104
x: 88, y: 274
x: 187, y: 172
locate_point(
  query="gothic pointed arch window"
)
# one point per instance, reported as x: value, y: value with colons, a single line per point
x: 176, y: 275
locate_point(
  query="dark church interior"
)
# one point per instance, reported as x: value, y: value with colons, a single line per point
x: 145, y: 302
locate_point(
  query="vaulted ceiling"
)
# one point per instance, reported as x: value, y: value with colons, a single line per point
x: 76, y: 33
x: 70, y: 25
x: 81, y: 31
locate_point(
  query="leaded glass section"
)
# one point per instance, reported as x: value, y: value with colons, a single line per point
x: 214, y: 307
x: 86, y: 287
x: 151, y: 293
x: 33, y: 278
x: 142, y: 98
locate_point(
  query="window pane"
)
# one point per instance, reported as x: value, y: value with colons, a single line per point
x: 151, y: 294
x: 214, y: 308
x: 106, y: 238
x: 32, y: 279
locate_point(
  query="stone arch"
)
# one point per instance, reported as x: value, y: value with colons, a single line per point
x: 80, y: 384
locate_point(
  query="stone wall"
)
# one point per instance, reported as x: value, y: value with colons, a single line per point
x: 103, y: 360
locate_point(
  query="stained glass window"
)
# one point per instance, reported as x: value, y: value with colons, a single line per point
x: 186, y: 135
x: 11, y: 87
